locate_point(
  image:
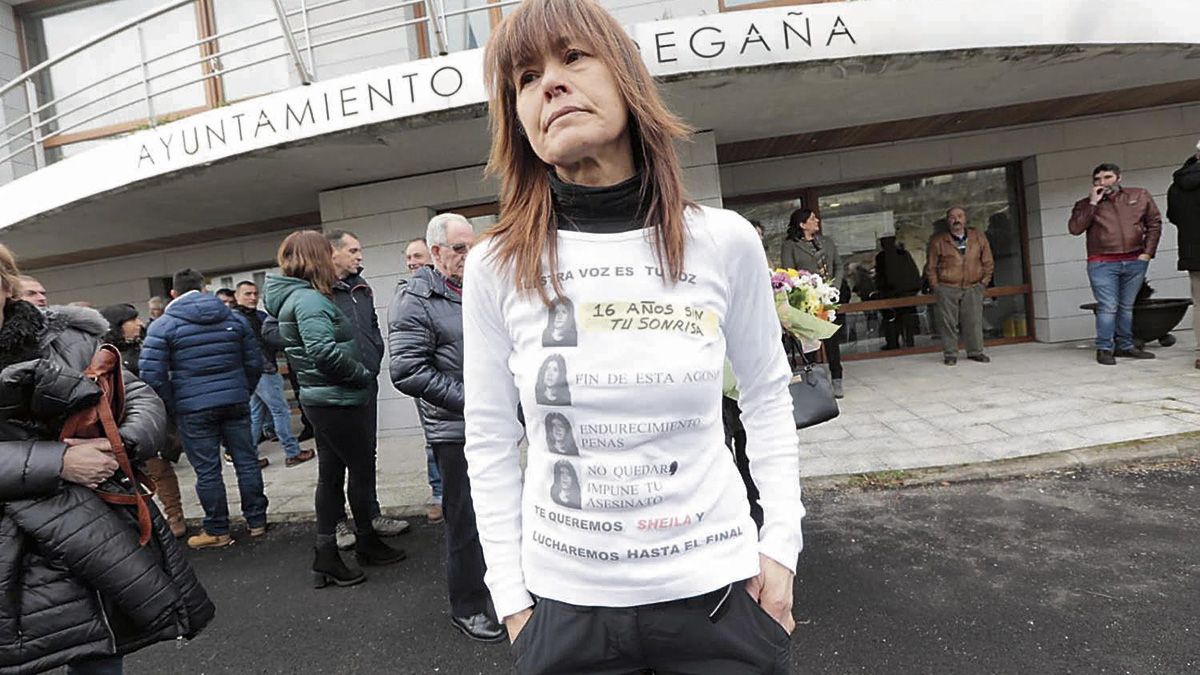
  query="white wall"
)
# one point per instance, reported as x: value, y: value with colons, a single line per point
x: 1057, y: 159
x: 386, y: 215
x: 13, y: 104
x: 127, y: 279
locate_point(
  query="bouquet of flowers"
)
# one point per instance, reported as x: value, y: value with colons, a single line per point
x: 807, y: 306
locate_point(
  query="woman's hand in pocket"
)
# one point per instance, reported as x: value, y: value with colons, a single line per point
x: 772, y: 590
x: 515, y: 623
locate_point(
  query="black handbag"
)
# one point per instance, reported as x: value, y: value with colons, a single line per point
x: 812, y: 395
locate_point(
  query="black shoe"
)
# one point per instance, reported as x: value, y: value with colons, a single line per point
x: 370, y: 550
x: 982, y: 358
x: 950, y: 360
x: 479, y: 627
x: 1134, y: 353
x: 1105, y: 358
x: 328, y: 568
x: 306, y: 434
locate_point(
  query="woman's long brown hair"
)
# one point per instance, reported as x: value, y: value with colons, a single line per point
x: 308, y: 255
x: 9, y: 274
x: 526, y: 228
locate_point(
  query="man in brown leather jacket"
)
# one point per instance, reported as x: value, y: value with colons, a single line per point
x: 1123, y: 226
x: 959, y: 268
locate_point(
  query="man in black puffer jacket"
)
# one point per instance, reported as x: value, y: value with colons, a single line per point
x: 425, y: 338
x: 1183, y: 209
x: 79, y: 588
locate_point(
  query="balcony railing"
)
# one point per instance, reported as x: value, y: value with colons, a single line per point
x: 288, y: 34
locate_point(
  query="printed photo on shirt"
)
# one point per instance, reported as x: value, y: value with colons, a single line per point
x: 560, y: 438
x: 551, y: 387
x: 560, y: 325
x: 565, y: 490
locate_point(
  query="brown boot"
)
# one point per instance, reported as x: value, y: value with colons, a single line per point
x: 163, y: 475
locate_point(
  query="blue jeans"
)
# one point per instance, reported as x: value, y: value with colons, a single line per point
x: 431, y: 466
x: 435, y: 476
x: 202, y: 433
x: 268, y: 400
x: 1115, y: 286
x: 107, y: 665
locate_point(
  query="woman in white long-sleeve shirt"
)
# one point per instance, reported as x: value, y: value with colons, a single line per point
x: 640, y: 552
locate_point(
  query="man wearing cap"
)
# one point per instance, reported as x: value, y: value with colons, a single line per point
x: 1123, y: 226
x: 1183, y: 209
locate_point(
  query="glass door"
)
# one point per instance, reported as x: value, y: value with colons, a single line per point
x: 882, y: 231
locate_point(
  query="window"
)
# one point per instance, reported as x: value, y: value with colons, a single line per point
x: 882, y: 230
x: 737, y: 5
x: 206, y: 53
x: 239, y: 79
x: 100, y: 88
x: 471, y: 29
x: 232, y: 279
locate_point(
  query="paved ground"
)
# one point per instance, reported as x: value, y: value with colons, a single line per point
x: 899, y: 413
x: 1079, y: 572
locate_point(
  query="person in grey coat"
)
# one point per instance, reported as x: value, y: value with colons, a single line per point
x: 425, y: 339
x: 805, y: 248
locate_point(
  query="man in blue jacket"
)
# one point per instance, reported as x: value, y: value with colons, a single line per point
x: 204, y: 362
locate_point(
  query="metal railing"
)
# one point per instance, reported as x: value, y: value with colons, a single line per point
x: 153, y: 77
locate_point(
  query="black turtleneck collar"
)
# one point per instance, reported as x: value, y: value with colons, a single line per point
x: 598, y: 210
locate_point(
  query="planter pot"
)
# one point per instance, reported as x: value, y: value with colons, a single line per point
x: 1154, y: 319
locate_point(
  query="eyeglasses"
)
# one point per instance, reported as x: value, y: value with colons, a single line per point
x: 461, y: 248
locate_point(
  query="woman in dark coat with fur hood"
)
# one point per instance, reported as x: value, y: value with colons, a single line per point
x: 80, y: 590
x: 125, y: 333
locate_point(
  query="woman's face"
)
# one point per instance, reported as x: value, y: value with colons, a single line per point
x: 560, y: 316
x: 571, y: 109
x: 812, y: 225
x: 565, y: 480
x: 132, y: 329
x: 551, y: 374
x: 558, y: 431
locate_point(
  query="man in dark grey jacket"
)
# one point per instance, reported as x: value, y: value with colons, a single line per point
x: 353, y: 296
x: 425, y: 337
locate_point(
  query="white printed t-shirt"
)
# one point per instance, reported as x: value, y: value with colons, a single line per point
x: 630, y: 495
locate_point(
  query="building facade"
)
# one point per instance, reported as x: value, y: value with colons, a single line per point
x: 199, y: 132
